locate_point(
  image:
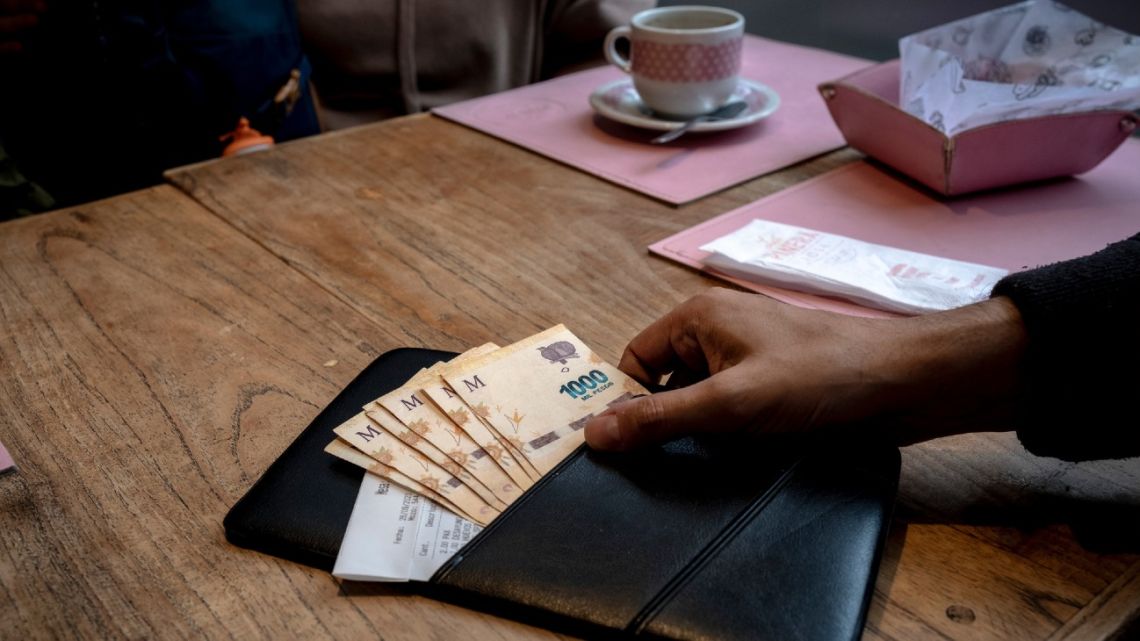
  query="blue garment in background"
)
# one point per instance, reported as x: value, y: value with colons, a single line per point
x: 112, y: 93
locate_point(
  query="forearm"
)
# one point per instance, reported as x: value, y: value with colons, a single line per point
x: 953, y: 372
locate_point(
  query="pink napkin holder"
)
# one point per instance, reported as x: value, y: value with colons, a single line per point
x: 865, y: 107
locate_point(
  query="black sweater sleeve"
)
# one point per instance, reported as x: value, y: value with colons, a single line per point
x: 1082, y: 366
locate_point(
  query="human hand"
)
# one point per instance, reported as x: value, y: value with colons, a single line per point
x: 755, y: 364
x: 17, y: 18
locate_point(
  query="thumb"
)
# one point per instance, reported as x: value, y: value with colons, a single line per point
x: 659, y: 417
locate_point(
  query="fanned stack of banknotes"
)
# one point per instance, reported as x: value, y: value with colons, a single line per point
x: 474, y: 433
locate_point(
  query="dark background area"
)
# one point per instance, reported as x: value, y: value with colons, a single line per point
x: 872, y: 28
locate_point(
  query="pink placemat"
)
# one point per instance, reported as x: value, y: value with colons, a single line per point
x: 1015, y: 229
x: 554, y: 118
x: 5, y: 459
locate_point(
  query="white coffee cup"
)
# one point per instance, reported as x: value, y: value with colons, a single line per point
x: 685, y: 61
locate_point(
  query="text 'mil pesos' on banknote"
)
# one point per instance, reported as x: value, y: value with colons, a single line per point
x: 474, y: 433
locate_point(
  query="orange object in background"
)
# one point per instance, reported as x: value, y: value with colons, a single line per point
x: 245, y: 139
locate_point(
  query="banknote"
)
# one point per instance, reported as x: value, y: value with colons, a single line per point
x: 479, y: 427
x: 366, y: 436
x: 440, y: 394
x: 435, y: 390
x: 359, y: 433
x: 538, y: 393
x: 432, y: 427
x: 341, y: 449
x: 413, y: 437
x: 473, y: 434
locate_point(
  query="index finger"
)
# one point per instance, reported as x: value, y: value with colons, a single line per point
x: 666, y: 344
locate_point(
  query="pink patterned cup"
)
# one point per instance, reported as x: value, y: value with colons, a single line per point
x: 685, y: 61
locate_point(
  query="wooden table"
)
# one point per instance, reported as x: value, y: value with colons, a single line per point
x: 161, y: 348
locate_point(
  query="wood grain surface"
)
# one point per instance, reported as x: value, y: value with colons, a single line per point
x: 453, y: 238
x: 162, y: 355
x: 156, y: 361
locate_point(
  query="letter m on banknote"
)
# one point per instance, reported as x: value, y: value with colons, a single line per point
x: 475, y: 384
x: 368, y: 434
x: 411, y: 404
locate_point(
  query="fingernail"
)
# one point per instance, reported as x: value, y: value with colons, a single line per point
x: 605, y: 433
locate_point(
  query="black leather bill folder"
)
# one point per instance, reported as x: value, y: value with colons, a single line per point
x: 776, y: 539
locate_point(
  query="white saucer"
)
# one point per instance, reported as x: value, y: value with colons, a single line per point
x: 619, y: 101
